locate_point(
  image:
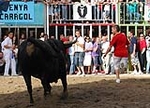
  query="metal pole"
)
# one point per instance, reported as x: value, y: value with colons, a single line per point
x: 116, y: 13
x: 73, y: 30
x: 82, y: 30
x: 136, y: 30
x: 108, y: 32
x: 56, y: 31
x: 91, y: 31
x: 99, y: 30
x: 144, y: 30
x: 65, y: 31
x: 127, y: 30
x: 47, y: 19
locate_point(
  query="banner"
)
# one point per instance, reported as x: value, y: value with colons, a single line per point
x: 82, y: 11
x: 17, y: 12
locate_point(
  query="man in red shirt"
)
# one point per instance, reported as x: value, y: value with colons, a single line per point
x: 120, y: 44
x: 142, y: 51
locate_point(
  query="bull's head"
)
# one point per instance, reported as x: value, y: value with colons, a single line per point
x: 30, y: 48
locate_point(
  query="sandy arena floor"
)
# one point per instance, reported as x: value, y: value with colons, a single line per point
x: 98, y: 91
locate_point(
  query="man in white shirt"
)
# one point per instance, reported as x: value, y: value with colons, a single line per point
x: 8, y: 54
x: 106, y: 60
x: 79, y: 53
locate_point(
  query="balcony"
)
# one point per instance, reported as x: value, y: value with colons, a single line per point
x: 133, y: 13
x: 82, y: 13
x: 124, y: 13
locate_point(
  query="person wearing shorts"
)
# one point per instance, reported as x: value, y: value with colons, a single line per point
x: 120, y: 44
x: 79, y: 54
x: 134, y: 54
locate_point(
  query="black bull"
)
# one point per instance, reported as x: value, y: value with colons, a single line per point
x: 43, y: 60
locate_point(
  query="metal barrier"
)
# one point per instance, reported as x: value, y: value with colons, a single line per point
x: 93, y: 30
x: 132, y: 12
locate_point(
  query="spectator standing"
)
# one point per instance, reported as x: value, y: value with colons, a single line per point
x: 120, y: 44
x: 134, y: 54
x: 22, y: 38
x: 2, y: 63
x: 147, y: 38
x: 8, y: 54
x: 148, y: 58
x: 13, y: 59
x: 64, y: 40
x: 88, y: 54
x: 56, y: 10
x: 64, y: 9
x: 142, y: 52
x: 79, y: 53
x: 95, y: 55
x: 106, y: 61
x: 2, y: 44
x: 106, y: 12
x: 133, y: 11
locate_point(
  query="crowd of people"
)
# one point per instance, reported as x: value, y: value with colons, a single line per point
x: 96, y: 55
x: 102, y: 10
x: 99, y: 55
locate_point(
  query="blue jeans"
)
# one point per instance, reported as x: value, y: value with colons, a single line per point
x: 96, y: 60
x: 79, y: 57
x: 148, y: 67
x: 148, y: 61
x: 72, y: 65
x: 134, y: 16
x: 96, y: 12
x: 64, y: 12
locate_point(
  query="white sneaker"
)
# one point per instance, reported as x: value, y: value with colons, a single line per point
x: 135, y: 72
x: 79, y: 73
x: 140, y: 72
x: 83, y: 75
x: 6, y: 74
x: 117, y: 80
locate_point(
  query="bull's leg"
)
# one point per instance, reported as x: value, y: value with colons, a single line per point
x: 27, y: 79
x: 46, y: 86
x: 65, y: 90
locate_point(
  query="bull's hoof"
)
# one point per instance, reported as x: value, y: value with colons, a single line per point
x: 64, y: 96
x: 31, y: 101
x: 30, y: 105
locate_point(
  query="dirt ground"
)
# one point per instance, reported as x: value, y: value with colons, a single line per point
x: 98, y: 91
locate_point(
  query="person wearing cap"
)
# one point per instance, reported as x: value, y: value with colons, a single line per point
x: 142, y: 51
x: 120, y: 44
